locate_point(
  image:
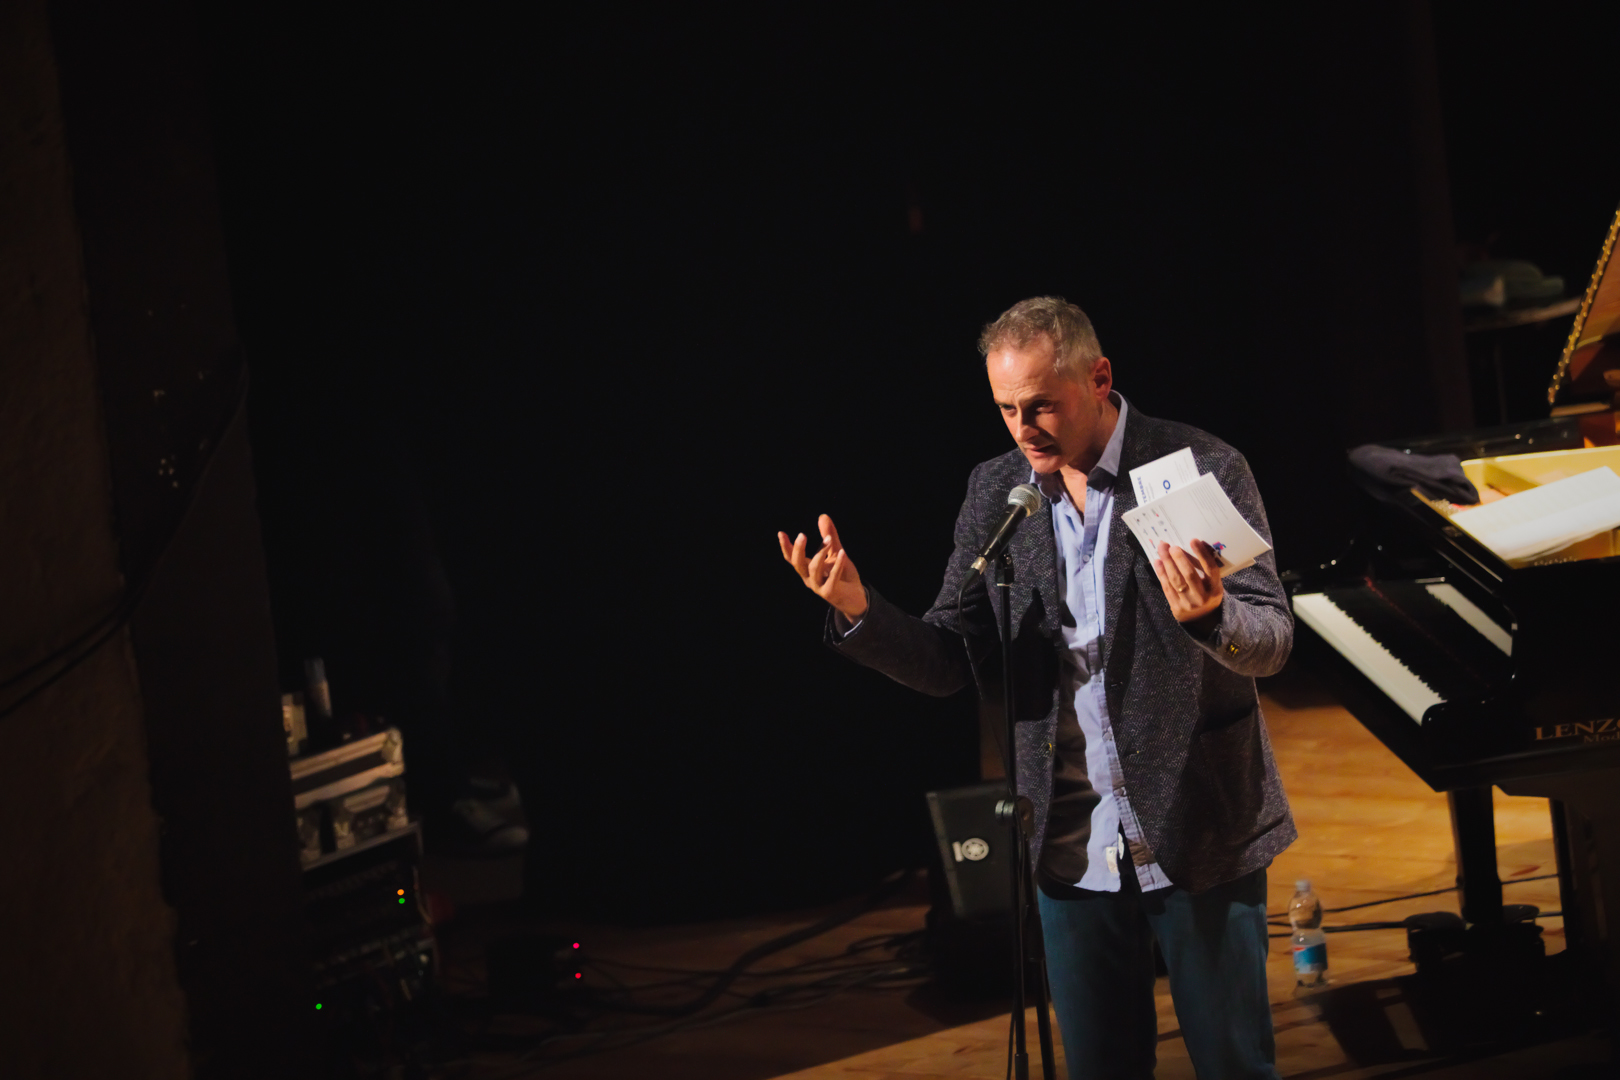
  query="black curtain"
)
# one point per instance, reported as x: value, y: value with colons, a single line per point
x: 631, y: 289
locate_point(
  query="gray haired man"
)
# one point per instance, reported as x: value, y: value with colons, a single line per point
x: 1139, y: 737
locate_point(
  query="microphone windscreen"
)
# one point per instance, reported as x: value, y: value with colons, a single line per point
x: 1027, y: 496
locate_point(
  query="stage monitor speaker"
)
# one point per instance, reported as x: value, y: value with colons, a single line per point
x: 975, y: 847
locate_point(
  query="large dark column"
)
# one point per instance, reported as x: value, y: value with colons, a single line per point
x: 145, y: 811
x: 91, y: 987
x: 1436, y: 233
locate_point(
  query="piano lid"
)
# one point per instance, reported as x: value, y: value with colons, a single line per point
x: 1588, y: 374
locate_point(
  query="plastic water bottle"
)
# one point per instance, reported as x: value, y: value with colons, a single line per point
x: 1310, y: 943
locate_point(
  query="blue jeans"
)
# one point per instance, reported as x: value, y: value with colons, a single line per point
x: 1099, y: 956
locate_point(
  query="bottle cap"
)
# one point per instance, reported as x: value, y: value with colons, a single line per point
x: 1303, y: 885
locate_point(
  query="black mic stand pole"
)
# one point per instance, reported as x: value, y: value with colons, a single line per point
x: 1018, y: 813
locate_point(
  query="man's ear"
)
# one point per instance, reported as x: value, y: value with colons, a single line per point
x: 1101, y: 377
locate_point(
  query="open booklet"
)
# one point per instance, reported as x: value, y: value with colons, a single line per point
x: 1177, y: 505
x: 1545, y: 519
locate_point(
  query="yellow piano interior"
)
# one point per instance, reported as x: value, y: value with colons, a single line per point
x: 1497, y: 478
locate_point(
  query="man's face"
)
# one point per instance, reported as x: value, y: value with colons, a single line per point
x: 1055, y: 420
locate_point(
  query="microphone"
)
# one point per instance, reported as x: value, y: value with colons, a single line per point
x: 1022, y: 501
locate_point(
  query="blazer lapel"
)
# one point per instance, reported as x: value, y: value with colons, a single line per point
x: 1034, y: 555
x: 1123, y: 550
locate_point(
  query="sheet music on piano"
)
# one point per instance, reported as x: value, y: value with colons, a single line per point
x: 1547, y: 518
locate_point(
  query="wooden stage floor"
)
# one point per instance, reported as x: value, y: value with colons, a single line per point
x: 1369, y: 831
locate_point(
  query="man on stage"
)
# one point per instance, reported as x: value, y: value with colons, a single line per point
x: 1139, y: 736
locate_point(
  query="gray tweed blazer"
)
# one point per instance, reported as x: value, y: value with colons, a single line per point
x: 1197, y: 764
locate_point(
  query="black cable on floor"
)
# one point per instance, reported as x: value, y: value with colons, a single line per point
x: 830, y: 979
x: 739, y: 968
x: 1281, y: 919
x: 631, y: 1036
x: 896, y: 940
x: 1402, y: 925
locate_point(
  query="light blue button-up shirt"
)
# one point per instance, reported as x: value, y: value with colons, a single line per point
x: 1082, y: 550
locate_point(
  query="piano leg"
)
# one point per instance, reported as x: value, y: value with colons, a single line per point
x: 1473, y: 830
x: 1569, y: 897
x: 1586, y: 835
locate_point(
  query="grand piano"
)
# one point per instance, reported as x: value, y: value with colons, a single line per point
x: 1479, y: 670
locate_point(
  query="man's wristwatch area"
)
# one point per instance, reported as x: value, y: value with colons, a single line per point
x: 841, y: 624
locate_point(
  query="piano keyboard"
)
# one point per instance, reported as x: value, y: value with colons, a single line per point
x: 1472, y: 615
x: 1421, y: 643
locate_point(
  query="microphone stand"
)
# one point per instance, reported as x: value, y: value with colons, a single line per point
x: 1018, y: 813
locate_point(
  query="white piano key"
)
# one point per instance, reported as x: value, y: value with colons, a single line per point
x: 1364, y: 651
x: 1472, y: 615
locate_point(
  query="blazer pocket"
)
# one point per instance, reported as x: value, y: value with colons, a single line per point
x: 1231, y: 767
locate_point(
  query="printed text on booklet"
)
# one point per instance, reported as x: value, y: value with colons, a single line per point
x: 1177, y: 506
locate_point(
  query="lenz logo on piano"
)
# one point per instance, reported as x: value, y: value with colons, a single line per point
x: 1590, y: 731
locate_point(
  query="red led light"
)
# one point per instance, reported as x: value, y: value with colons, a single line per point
x: 578, y: 975
x: 576, y: 944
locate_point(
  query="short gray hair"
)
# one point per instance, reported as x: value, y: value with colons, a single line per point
x: 1074, y: 342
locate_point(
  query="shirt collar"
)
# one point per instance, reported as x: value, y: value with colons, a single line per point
x: 1106, y: 471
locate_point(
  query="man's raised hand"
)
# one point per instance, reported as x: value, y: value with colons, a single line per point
x: 1191, y: 582
x: 828, y: 573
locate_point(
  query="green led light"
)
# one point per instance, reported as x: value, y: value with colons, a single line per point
x: 317, y: 1006
x: 402, y: 899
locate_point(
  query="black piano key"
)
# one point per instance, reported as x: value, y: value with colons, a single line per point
x: 1451, y: 632
x: 1408, y: 642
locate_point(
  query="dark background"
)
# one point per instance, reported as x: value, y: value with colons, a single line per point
x: 1531, y: 178
x: 565, y: 315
